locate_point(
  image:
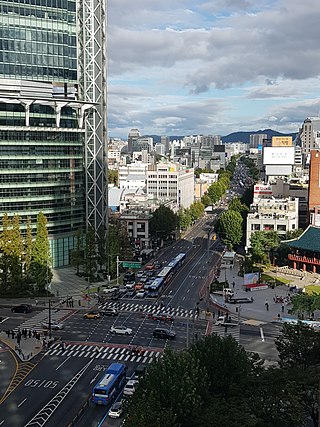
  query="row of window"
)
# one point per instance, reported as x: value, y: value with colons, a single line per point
x: 24, y: 150
x: 269, y: 227
x: 44, y: 59
x: 40, y: 163
x: 43, y: 136
x: 40, y: 177
x: 33, y: 34
x: 28, y: 70
x: 39, y: 205
x: 38, y: 122
x: 37, y: 109
x: 22, y: 47
x: 58, y: 192
x: 38, y: 12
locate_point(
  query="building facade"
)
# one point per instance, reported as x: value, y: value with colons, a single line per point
x: 309, y: 135
x: 171, y: 181
x: 52, y: 140
x: 280, y: 215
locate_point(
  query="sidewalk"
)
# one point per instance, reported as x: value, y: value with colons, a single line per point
x: 28, y: 348
x: 255, y: 312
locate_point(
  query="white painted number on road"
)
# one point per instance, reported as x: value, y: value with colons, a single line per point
x: 43, y: 383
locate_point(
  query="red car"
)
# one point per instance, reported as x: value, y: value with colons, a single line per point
x: 163, y: 317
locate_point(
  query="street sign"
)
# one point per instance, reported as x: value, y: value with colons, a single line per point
x: 131, y: 264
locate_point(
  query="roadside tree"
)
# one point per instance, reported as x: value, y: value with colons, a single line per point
x: 196, y: 210
x: 206, y: 200
x: 305, y: 304
x: 184, y: 219
x: 298, y: 346
x: 262, y: 243
x: 163, y: 222
x: 41, y: 259
x: 230, y: 227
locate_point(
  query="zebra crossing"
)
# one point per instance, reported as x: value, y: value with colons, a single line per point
x: 123, y: 354
x: 34, y: 322
x: 154, y: 309
x: 222, y: 332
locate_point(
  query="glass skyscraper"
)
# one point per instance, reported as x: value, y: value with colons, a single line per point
x: 53, y: 116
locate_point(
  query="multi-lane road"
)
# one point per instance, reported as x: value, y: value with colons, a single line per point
x: 60, y: 383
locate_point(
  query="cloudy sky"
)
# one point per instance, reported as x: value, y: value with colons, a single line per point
x: 181, y: 67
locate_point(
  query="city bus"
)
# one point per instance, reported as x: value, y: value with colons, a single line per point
x: 155, y: 287
x: 110, y: 385
x: 177, y: 261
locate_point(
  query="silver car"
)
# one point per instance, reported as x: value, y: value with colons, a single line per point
x: 121, y: 330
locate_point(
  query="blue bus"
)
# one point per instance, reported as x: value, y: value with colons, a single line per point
x: 110, y: 385
x: 155, y: 287
x: 177, y: 261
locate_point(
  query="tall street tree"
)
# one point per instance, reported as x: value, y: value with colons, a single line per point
x: 184, y: 219
x: 230, y: 227
x: 41, y: 259
x: 262, y: 244
x: 28, y: 242
x: 16, y: 252
x: 163, y: 222
x: 5, y: 239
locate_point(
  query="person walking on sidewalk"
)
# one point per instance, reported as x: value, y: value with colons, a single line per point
x: 267, y: 305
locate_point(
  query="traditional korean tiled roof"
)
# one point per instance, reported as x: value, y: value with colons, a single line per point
x: 309, y: 240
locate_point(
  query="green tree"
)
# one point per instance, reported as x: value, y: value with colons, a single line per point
x: 28, y: 242
x: 90, y: 253
x: 230, y: 227
x: 298, y: 346
x: 41, y: 259
x: 206, y: 200
x: 113, y: 177
x: 305, y: 303
x: 184, y: 219
x: 102, y: 249
x: 77, y: 253
x: 215, y: 192
x: 172, y: 388
x: 294, y: 234
x: 5, y: 253
x: 262, y: 243
x: 238, y: 206
x: 16, y: 252
x: 196, y: 210
x: 163, y: 222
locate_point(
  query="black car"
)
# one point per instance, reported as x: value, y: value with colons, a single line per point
x: 109, y: 312
x: 22, y: 308
x: 164, y: 333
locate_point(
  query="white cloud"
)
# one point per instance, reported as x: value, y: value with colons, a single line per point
x: 191, y: 51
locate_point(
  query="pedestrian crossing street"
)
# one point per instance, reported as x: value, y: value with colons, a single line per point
x: 103, y: 353
x: 34, y: 322
x: 154, y: 309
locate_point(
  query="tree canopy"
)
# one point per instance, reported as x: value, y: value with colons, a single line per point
x: 262, y: 243
x: 163, y: 222
x: 230, y: 227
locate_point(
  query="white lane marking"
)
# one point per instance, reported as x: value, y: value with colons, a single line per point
x: 21, y: 403
x: 262, y: 334
x: 63, y: 363
x: 93, y: 379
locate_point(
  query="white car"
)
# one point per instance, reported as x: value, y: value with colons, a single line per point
x: 54, y: 325
x: 110, y: 290
x: 141, y: 294
x: 121, y: 330
x: 130, y: 387
x: 116, y: 410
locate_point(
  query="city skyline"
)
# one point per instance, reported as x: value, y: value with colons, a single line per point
x: 188, y: 67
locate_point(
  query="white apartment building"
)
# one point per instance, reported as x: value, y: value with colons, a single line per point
x: 171, y: 181
x: 280, y: 215
x: 133, y: 175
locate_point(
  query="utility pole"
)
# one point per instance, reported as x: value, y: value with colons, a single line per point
x: 49, y: 318
x: 118, y: 262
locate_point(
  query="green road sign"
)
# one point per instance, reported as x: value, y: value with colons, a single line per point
x: 131, y: 264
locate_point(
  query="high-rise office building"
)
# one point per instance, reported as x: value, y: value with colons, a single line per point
x: 133, y: 137
x: 309, y: 135
x: 53, y: 116
x: 257, y: 139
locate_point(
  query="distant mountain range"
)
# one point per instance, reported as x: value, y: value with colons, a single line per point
x: 245, y: 136
x: 234, y: 136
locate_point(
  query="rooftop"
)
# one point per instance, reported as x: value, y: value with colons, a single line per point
x: 309, y: 240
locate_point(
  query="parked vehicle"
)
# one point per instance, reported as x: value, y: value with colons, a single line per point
x: 120, y: 330
x: 164, y: 333
x: 22, y: 308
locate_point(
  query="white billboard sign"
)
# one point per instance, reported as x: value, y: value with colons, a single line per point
x: 278, y: 155
x: 281, y: 170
